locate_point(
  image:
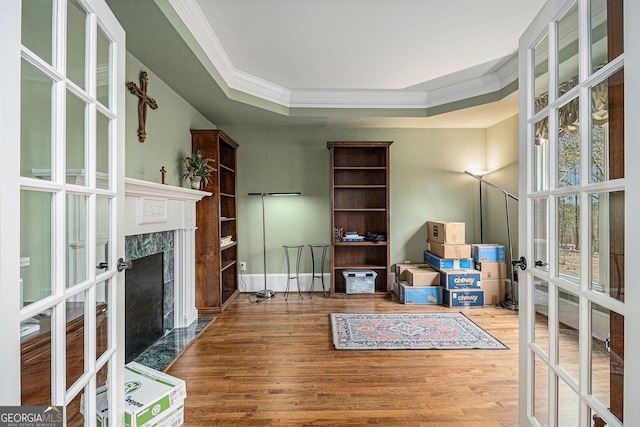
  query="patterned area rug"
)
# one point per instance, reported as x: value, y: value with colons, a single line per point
x: 409, y: 331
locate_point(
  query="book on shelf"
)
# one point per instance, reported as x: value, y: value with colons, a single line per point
x: 338, y: 234
x: 352, y: 236
x: 226, y: 240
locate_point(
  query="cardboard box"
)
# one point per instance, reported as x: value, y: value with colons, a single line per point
x: 446, y: 232
x: 402, y: 268
x: 447, y: 264
x: 449, y: 250
x: 419, y: 295
x: 494, y: 291
x: 175, y: 418
x: 492, y: 270
x: 150, y: 397
x: 488, y: 253
x: 425, y: 276
x: 360, y: 281
x: 463, y: 298
x: 460, y: 279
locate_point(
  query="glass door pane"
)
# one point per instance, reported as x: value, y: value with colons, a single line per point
x: 76, y: 41
x: 568, y: 157
x: 77, y: 250
x: 541, y: 307
x: 103, y: 76
x: 75, y: 137
x: 103, y: 148
x: 568, y: 239
x: 36, y: 125
x: 36, y: 240
x: 37, y: 27
x: 568, y: 328
x: 540, y: 391
x: 75, y: 337
x: 568, y: 58
x: 541, y: 75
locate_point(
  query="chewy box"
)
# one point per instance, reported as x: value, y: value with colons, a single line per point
x: 447, y: 264
x: 150, y: 395
x: 360, y: 281
x: 445, y: 232
x: 488, y: 253
x: 419, y: 295
x: 464, y: 298
x: 459, y: 279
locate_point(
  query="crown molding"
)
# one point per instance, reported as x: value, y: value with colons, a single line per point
x: 193, y: 18
x: 310, y: 98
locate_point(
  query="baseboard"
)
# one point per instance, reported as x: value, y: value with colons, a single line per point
x: 278, y: 282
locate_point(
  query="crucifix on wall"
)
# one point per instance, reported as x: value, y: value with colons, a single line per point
x: 144, y: 101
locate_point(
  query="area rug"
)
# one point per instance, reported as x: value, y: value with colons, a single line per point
x: 409, y: 331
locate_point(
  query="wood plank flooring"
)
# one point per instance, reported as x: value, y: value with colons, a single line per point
x: 273, y: 364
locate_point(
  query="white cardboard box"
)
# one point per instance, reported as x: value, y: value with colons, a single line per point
x: 150, y: 397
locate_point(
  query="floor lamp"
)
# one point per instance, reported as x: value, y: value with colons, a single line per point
x: 267, y: 293
x: 513, y: 303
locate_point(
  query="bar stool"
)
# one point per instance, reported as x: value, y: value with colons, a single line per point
x: 298, y: 249
x: 313, y: 267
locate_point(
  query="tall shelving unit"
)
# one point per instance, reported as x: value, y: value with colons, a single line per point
x: 216, y: 216
x: 360, y: 202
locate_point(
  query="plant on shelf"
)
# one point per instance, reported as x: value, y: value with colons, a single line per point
x: 198, y: 169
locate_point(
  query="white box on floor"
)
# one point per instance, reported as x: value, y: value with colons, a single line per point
x: 150, y: 397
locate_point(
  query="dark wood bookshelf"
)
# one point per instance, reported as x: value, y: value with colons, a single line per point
x: 360, y: 202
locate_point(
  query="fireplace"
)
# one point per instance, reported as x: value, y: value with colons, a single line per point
x: 161, y: 219
x: 144, y: 295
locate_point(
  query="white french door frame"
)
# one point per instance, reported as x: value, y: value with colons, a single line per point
x: 630, y: 184
x: 11, y: 184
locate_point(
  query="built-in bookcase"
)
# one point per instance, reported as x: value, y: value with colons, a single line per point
x: 216, y: 216
x: 360, y: 202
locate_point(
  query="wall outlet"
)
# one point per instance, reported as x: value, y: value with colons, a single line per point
x: 243, y: 266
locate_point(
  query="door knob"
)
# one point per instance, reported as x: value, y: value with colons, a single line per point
x: 522, y: 263
x: 124, y: 265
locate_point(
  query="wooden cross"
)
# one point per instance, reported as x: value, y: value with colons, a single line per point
x: 164, y: 172
x: 145, y: 100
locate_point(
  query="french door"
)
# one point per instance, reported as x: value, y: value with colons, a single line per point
x: 578, y: 298
x: 61, y: 205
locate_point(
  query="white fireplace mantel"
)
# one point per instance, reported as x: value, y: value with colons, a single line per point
x: 151, y: 207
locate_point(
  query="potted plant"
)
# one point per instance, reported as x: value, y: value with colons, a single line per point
x: 197, y: 169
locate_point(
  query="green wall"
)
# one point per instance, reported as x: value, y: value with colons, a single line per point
x: 168, y: 138
x: 427, y: 182
x: 502, y: 161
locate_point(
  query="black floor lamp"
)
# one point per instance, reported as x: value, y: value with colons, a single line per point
x: 513, y: 303
x: 267, y: 293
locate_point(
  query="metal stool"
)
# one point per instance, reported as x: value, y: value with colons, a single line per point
x: 313, y: 267
x: 289, y: 276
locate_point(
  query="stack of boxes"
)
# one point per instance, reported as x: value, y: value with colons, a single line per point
x: 448, y: 253
x: 418, y: 284
x: 454, y: 273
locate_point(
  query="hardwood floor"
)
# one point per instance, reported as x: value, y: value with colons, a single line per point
x: 273, y: 364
